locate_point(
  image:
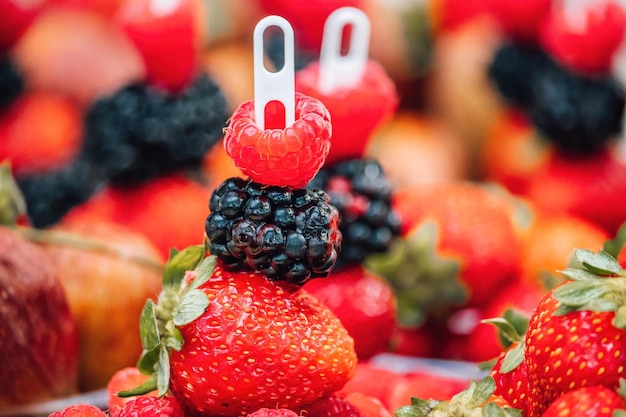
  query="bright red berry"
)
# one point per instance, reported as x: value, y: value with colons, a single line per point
x: 273, y: 412
x: 123, y: 380
x: 587, y: 45
x: 287, y: 157
x: 80, y: 410
x: 355, y: 111
x: 148, y: 406
x: 16, y: 17
x: 519, y: 19
x: 597, y: 401
x: 167, y: 37
x: 331, y: 406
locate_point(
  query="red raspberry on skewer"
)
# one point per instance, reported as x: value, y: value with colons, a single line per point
x: 287, y: 157
x: 355, y: 111
x: 589, y: 43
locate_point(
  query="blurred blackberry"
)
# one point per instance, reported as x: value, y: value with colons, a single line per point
x: 285, y: 234
x: 11, y: 82
x: 142, y: 132
x: 578, y: 114
x: 275, y: 51
x: 512, y: 70
x: 50, y: 196
x: 360, y: 191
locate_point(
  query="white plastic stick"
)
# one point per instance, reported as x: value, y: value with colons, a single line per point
x: 338, y: 70
x: 274, y: 85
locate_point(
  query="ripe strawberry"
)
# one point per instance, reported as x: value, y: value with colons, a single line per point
x: 306, y: 17
x: 288, y: 156
x: 148, y: 406
x: 123, y: 380
x: 16, y: 17
x: 355, y: 111
x: 372, y: 380
x: 80, y: 410
x: 39, y: 132
x: 229, y: 343
x: 576, y: 336
x: 273, y: 412
x: 509, y: 374
x: 587, y: 42
x: 597, y: 401
x: 167, y: 35
x: 167, y: 210
x: 94, y: 259
x: 364, y: 302
x: 445, y: 259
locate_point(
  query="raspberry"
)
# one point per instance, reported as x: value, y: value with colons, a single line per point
x: 11, y: 82
x: 79, y: 410
x: 362, y: 193
x: 273, y: 412
x: 289, y: 235
x: 287, y: 157
x: 142, y: 132
x: 147, y: 406
x: 355, y: 111
x: 332, y: 406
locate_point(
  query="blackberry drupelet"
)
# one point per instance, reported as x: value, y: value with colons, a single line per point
x: 578, y: 114
x: 359, y: 189
x: 142, y: 132
x: 51, y: 195
x: 11, y: 82
x: 285, y: 234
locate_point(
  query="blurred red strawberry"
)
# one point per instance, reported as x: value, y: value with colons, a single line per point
x: 459, y: 246
x: 170, y: 211
x: 39, y: 132
x: 364, y: 302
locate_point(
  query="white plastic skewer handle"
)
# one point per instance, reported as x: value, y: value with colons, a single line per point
x: 337, y: 70
x: 277, y: 85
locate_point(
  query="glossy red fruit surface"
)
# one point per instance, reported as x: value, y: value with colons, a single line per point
x: 355, y: 111
x: 283, y: 156
x: 167, y: 37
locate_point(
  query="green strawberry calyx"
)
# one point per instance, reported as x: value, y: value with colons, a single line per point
x: 597, y: 282
x: 471, y: 402
x: 180, y: 302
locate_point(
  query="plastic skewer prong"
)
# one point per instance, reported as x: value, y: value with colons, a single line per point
x: 337, y: 70
x: 274, y: 85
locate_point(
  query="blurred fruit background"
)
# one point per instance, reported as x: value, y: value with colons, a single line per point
x: 498, y: 144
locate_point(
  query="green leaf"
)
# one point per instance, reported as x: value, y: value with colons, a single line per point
x: 512, y: 359
x: 148, y: 327
x: 619, y: 413
x: 204, y: 271
x: 493, y: 410
x: 12, y: 202
x: 615, y: 245
x: 619, y: 320
x: 418, y: 408
x: 507, y: 332
x: 579, y: 293
x: 577, y: 274
x: 601, y: 263
x: 191, y: 306
x: 148, y: 386
x: 148, y: 360
x: 181, y: 262
x: 478, y: 392
x: 163, y: 372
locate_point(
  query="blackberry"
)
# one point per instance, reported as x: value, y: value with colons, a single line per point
x: 285, y: 234
x: 578, y: 114
x: 359, y: 189
x: 50, y: 195
x: 141, y: 132
x: 11, y: 82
